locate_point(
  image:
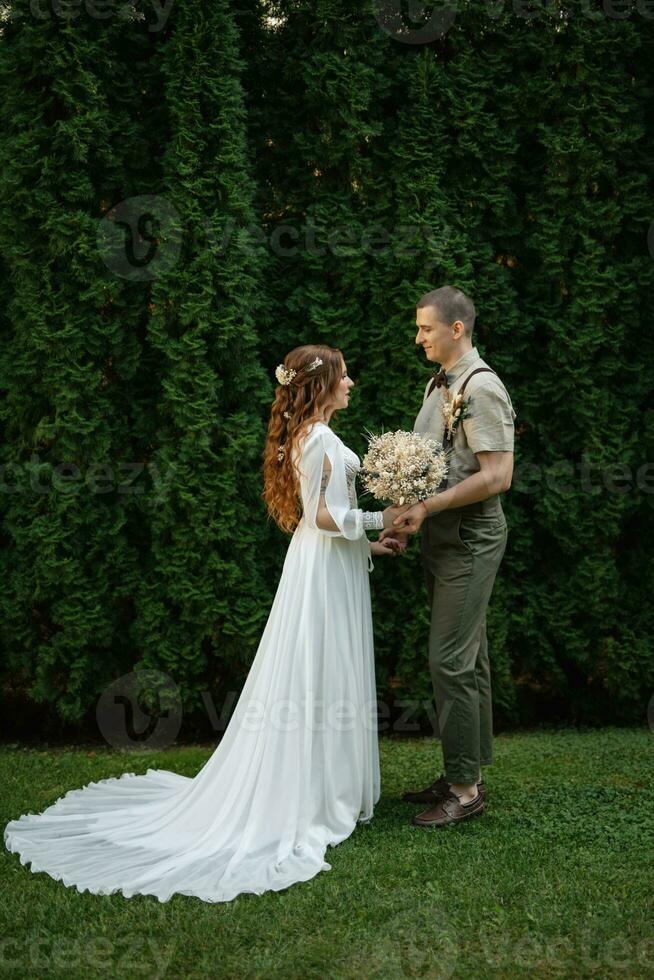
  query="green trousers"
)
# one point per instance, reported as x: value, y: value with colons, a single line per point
x: 461, y: 553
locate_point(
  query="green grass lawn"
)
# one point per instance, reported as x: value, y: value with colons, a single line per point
x: 555, y: 880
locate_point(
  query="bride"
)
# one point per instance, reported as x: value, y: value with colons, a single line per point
x: 298, y: 764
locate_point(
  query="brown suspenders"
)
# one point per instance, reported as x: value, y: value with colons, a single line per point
x: 476, y: 371
x: 447, y: 440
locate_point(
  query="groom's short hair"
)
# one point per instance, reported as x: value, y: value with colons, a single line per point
x: 451, y: 304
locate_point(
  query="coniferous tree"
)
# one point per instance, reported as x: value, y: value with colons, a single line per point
x: 74, y: 140
x: 290, y: 172
x: 517, y: 145
x: 203, y: 602
x: 585, y: 286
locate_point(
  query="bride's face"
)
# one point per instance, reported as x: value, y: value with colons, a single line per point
x: 341, y: 396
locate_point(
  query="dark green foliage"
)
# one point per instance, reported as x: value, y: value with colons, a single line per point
x: 153, y: 380
x: 74, y: 139
x: 319, y: 175
x: 511, y: 157
x: 203, y: 602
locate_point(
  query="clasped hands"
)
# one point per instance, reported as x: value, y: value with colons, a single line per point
x: 400, y: 521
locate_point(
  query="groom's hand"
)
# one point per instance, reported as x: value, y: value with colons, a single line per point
x: 391, y: 513
x: 411, y: 520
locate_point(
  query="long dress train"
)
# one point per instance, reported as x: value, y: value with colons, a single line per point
x: 298, y: 764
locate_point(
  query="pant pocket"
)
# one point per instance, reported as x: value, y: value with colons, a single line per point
x: 477, y: 532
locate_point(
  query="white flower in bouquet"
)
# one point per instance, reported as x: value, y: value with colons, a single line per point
x: 403, y: 467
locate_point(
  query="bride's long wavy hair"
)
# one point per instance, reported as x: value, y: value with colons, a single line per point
x: 295, y: 405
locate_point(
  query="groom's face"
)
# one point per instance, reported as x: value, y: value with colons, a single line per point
x: 434, y: 336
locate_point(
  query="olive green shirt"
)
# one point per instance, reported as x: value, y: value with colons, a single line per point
x: 489, y: 426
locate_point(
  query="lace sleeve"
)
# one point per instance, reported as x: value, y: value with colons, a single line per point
x: 373, y: 520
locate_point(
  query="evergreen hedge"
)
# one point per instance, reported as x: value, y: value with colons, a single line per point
x: 184, y: 200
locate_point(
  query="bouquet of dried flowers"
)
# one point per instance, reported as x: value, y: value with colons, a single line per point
x: 403, y: 467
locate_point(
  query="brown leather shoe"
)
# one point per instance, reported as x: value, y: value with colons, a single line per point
x: 436, y: 792
x: 449, y: 810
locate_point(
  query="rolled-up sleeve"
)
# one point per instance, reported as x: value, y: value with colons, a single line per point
x: 489, y: 426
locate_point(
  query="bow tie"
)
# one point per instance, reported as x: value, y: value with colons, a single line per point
x: 440, y: 377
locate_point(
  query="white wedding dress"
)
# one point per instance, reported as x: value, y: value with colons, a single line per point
x: 298, y: 764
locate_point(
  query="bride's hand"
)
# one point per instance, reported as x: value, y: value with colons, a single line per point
x: 389, y: 546
x: 401, y: 537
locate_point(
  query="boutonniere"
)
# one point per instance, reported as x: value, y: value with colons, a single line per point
x: 455, y: 409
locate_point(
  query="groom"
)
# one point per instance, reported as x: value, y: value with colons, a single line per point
x: 463, y: 538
